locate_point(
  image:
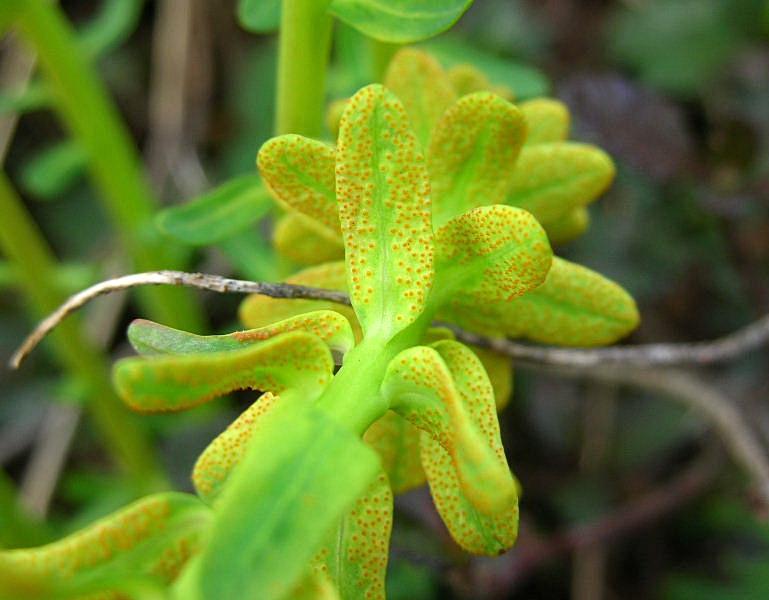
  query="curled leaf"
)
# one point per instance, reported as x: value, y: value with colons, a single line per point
x: 150, y: 338
x: 574, y: 307
x: 148, y: 541
x: 548, y: 120
x: 552, y: 179
x: 453, y: 404
x: 299, y: 242
x: 424, y: 88
x: 384, y: 210
x: 490, y: 254
x: 166, y: 382
x: 299, y: 172
x: 472, y: 153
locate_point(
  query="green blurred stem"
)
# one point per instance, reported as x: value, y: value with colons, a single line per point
x: 381, y: 54
x: 85, y: 107
x: 303, y: 55
x: 28, y: 253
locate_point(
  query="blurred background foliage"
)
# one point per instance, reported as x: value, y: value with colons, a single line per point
x: 676, y: 90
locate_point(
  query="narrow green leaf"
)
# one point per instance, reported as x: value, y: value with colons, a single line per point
x: 259, y: 16
x: 396, y: 441
x: 355, y: 558
x: 260, y: 311
x: 420, y: 387
x: 568, y: 227
x: 54, y: 170
x: 547, y: 120
x: 148, y: 541
x: 423, y: 86
x: 165, y: 382
x: 491, y: 253
x: 476, y: 530
x: 299, y: 172
x: 384, y: 209
x: 219, y: 213
x: 472, y: 154
x: 150, y: 338
x: 574, y: 307
x: 300, y: 475
x: 302, y: 244
x: 111, y: 26
x: 399, y: 21
x: 552, y: 179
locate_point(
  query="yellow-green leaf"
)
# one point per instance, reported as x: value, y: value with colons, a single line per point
x: 424, y: 88
x: 420, y: 387
x: 384, y: 210
x: 568, y: 227
x: 499, y: 369
x: 396, y: 441
x: 148, y: 337
x: 472, y: 154
x: 355, y: 557
x: 146, y: 542
x: 299, y: 172
x: 478, y: 531
x: 468, y: 79
x: 166, y: 382
x: 550, y: 180
x: 221, y: 456
x: 301, y: 243
x: 490, y: 254
x: 574, y: 307
x: 548, y: 120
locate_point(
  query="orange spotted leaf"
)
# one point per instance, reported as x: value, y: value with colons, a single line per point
x: 299, y: 172
x: 574, y: 307
x: 424, y: 88
x: 477, y: 531
x: 472, y: 154
x: 552, y: 179
x: 302, y: 244
x: 146, y: 542
x: 171, y: 382
x: 547, y: 120
x: 490, y: 254
x: 420, y: 387
x: 396, y: 440
x: 384, y: 210
x: 355, y: 557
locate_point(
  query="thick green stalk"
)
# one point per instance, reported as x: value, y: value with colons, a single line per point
x: 84, y: 106
x: 303, y: 54
x: 25, y: 248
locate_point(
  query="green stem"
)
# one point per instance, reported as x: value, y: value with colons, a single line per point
x: 85, y: 107
x: 303, y: 54
x: 25, y: 248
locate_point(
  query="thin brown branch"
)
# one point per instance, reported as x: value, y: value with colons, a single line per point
x: 728, y: 347
x: 738, y: 343
x: 214, y: 283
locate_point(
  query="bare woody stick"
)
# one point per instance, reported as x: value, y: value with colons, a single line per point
x: 214, y: 283
x: 738, y: 343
